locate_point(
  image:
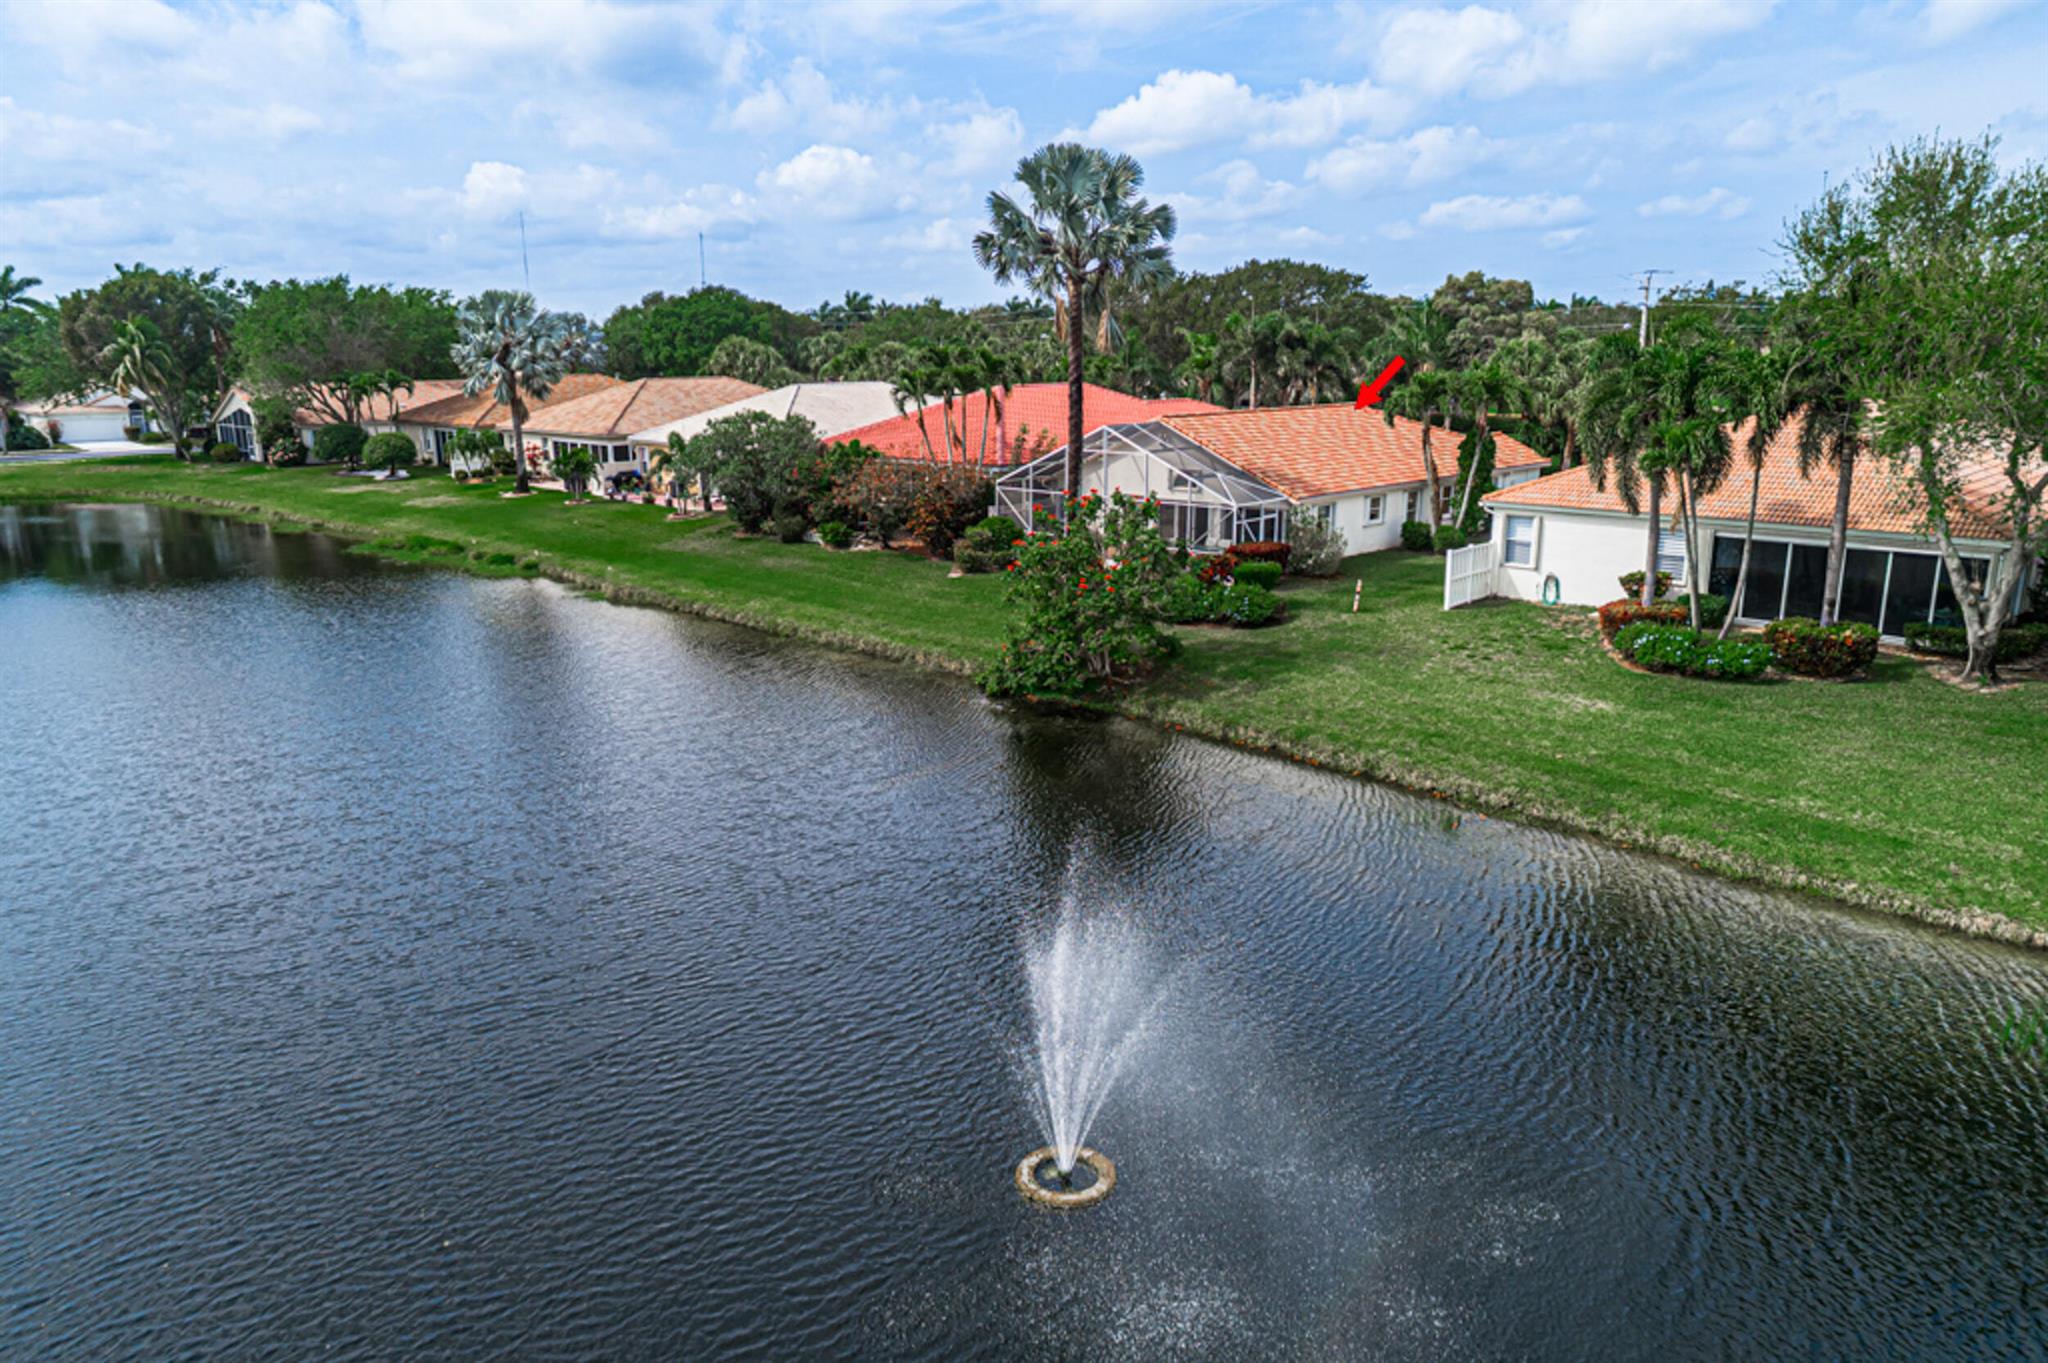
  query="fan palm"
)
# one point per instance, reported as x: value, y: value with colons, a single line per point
x: 513, y: 349
x: 1086, y: 229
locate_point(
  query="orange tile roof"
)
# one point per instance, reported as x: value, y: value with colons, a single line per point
x: 1882, y: 499
x: 481, y: 413
x: 1333, y: 448
x: 623, y: 409
x: 1039, y: 408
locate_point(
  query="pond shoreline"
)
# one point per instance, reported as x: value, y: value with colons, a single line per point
x: 1145, y: 705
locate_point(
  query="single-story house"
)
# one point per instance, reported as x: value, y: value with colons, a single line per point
x: 433, y: 424
x: 1031, y: 418
x: 606, y: 420
x: 88, y: 420
x: 1223, y: 478
x: 832, y: 408
x: 234, y: 421
x: 1562, y: 539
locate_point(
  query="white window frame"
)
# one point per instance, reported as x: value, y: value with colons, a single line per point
x: 1508, y: 539
x: 1665, y: 539
x: 1375, y: 509
x: 1413, y: 506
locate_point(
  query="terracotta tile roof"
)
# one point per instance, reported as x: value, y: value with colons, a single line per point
x: 618, y: 411
x: 1333, y: 448
x: 1040, y: 408
x: 481, y: 412
x: 1882, y: 500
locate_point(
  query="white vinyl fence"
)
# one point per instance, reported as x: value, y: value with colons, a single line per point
x: 1468, y: 575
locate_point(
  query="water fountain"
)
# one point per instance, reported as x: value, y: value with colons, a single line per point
x: 1095, y: 984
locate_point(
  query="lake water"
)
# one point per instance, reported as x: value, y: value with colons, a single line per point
x: 394, y: 964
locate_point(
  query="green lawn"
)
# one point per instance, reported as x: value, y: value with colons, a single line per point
x: 1899, y: 791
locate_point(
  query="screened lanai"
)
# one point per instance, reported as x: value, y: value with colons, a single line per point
x: 1203, y: 499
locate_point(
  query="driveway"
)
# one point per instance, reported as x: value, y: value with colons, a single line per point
x: 92, y: 449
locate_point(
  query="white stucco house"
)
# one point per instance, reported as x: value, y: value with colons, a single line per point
x: 1563, y: 539
x: 833, y: 408
x: 90, y: 419
x: 1225, y: 477
x: 606, y: 420
x: 234, y: 421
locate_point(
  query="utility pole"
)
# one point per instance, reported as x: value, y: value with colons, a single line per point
x: 1643, y: 326
x: 700, y: 260
x: 525, y: 270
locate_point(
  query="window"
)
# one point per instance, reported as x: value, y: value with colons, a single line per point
x: 1264, y: 524
x: 1326, y: 514
x: 1671, y: 553
x: 1375, y: 510
x: 1414, y: 506
x: 1179, y: 521
x: 1880, y: 587
x: 238, y: 430
x: 1519, y: 542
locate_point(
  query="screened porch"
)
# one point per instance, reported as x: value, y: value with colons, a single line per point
x: 1204, y: 500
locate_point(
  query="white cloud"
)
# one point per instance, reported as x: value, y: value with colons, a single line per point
x: 978, y: 142
x: 1422, y: 157
x: 946, y: 236
x: 803, y: 99
x: 829, y: 181
x: 1492, y: 213
x: 1492, y: 52
x: 523, y: 41
x: 1723, y: 203
x: 1947, y: 19
x: 1563, y: 236
x: 492, y: 189
x: 1181, y: 109
x: 1242, y: 193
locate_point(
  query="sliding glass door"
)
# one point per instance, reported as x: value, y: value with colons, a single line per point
x: 1884, y: 587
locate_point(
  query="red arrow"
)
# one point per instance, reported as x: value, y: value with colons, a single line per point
x: 1369, y: 393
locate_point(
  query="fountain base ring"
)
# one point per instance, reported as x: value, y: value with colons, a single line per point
x: 1066, y: 1198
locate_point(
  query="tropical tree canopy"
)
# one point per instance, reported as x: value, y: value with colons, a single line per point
x: 317, y: 341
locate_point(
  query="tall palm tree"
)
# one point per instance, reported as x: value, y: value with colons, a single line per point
x: 1203, y: 366
x: 1427, y: 396
x: 913, y: 383
x: 1086, y: 229
x: 14, y: 289
x: 1481, y: 391
x: 1253, y: 346
x: 1697, y: 449
x: 1616, y: 408
x: 995, y: 373
x: 512, y: 348
x: 1759, y: 403
x: 1420, y: 335
x: 1830, y: 431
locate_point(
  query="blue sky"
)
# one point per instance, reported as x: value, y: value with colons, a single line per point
x: 830, y: 146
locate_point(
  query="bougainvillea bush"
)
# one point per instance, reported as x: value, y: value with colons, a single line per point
x: 1085, y: 601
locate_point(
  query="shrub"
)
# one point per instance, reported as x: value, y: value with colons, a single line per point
x: 1450, y: 537
x: 1953, y: 641
x: 1318, y: 548
x: 1217, y: 567
x: 1674, y: 648
x: 340, y: 443
x: 1077, y: 621
x: 1245, y: 605
x: 948, y: 499
x: 1632, y: 584
x: 1263, y: 551
x: 1617, y: 615
x: 881, y: 493
x: 460, y: 475
x: 22, y: 436
x: 1803, y: 646
x: 790, y: 528
x: 989, y: 544
x: 132, y: 433
x: 289, y: 455
x: 766, y: 467
x: 390, y: 450
x: 224, y: 453
x: 1257, y: 573
x: 1415, y: 536
x: 1188, y: 600
x: 835, y: 534
x: 1713, y: 609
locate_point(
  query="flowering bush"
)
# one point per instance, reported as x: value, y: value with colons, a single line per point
x: 989, y: 545
x: 1263, y: 551
x: 1190, y: 600
x: 1085, y: 603
x: 1672, y: 648
x: 1616, y: 615
x: 1803, y: 646
x: 1318, y: 548
x: 948, y: 499
x: 1245, y: 605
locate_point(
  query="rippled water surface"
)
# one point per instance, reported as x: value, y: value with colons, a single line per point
x: 394, y: 964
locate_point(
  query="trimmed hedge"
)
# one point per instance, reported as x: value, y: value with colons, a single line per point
x: 1632, y: 583
x: 1673, y: 648
x: 224, y: 453
x: 1713, y: 609
x: 1263, y: 551
x: 1450, y: 537
x: 1953, y: 641
x: 1245, y: 605
x: 1415, y: 536
x: 339, y: 443
x: 1258, y: 573
x: 1803, y: 646
x: 1618, y: 615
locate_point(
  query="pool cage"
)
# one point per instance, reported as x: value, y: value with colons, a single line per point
x: 1203, y: 499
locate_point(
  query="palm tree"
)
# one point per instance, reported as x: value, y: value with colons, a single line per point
x: 510, y: 347
x: 1203, y: 366
x: 1615, y: 411
x: 995, y: 372
x: 14, y: 289
x: 913, y: 384
x: 1830, y: 434
x: 1758, y: 397
x: 1421, y: 335
x: 1428, y: 396
x: 137, y: 360
x: 1548, y: 374
x: 1255, y: 345
x: 1698, y: 450
x: 1086, y: 229
x: 1481, y: 391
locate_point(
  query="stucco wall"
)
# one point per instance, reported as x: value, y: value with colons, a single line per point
x: 1587, y: 553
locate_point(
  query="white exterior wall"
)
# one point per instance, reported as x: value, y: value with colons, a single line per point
x: 1514, y: 476
x: 1361, y: 535
x: 1586, y: 552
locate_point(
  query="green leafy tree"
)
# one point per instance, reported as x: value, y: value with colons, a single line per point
x: 340, y: 442
x: 389, y: 451
x: 326, y: 343
x: 189, y: 317
x: 1085, y: 230
x: 574, y: 466
x: 511, y: 348
x: 666, y: 334
x: 754, y: 460
x: 752, y: 361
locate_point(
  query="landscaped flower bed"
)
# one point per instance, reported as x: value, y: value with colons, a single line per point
x: 1617, y: 615
x: 1675, y: 648
x: 1813, y: 650
x: 1952, y: 641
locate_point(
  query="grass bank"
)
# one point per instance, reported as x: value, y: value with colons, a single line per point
x: 1899, y: 792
